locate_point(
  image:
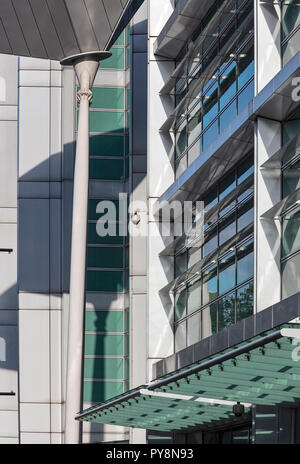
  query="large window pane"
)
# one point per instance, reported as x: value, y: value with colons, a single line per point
x: 194, y: 124
x: 194, y: 296
x: 194, y: 329
x: 245, y: 170
x: 211, y: 199
x: 245, y: 66
x: 290, y: 179
x: 227, y: 185
x: 245, y: 262
x: 244, y: 301
x: 180, y: 264
x: 291, y: 277
x: 209, y: 320
x: 291, y: 233
x: 290, y: 16
x: 211, y: 243
x: 246, y: 96
x: 180, y: 304
x: 245, y: 215
x: 226, y: 311
x: 227, y: 84
x: 226, y: 273
x: 210, y: 285
x: 210, y: 105
x: 180, y: 166
x: 227, y: 228
x: 210, y: 135
x: 180, y: 140
x: 180, y: 336
x: 194, y: 151
x: 290, y: 129
x: 227, y: 116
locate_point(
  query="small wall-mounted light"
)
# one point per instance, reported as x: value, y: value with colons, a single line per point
x: 136, y: 218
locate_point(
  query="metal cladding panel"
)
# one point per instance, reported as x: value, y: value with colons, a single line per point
x: 99, y: 21
x: 57, y: 29
x: 12, y: 29
x: 44, y: 22
x: 29, y: 28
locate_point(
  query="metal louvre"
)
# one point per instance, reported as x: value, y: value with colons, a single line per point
x: 289, y: 202
x: 291, y: 148
x: 194, y: 270
x: 260, y: 370
x: 181, y: 24
x: 57, y: 29
x: 209, y: 216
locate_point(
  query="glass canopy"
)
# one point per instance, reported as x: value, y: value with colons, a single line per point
x: 262, y: 370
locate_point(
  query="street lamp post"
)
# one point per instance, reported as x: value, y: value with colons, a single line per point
x: 86, y: 67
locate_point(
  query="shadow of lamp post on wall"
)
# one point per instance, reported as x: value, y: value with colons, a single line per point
x: 77, y: 33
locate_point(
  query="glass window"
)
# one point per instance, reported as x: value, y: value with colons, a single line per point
x: 194, y: 296
x: 227, y: 84
x: 211, y: 199
x: 180, y: 140
x: 291, y: 48
x: 211, y: 242
x: 227, y: 228
x: 194, y: 254
x: 180, y: 336
x: 227, y: 185
x: 210, y: 284
x: 194, y: 329
x: 180, y: 264
x: 210, y: 135
x: 245, y: 264
x: 226, y: 311
x: 226, y: 273
x: 209, y: 320
x: 181, y: 166
x: 194, y: 151
x: 227, y: 116
x: 244, y: 170
x: 290, y: 16
x: 291, y: 277
x: 246, y: 96
x: 244, y: 301
x: 245, y: 215
x: 180, y: 303
x: 290, y: 129
x: 245, y: 66
x: 291, y: 232
x: 290, y: 179
x: 210, y: 105
x: 194, y: 124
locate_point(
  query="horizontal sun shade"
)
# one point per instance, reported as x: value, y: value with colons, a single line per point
x: 209, y: 216
x: 288, y: 203
x: 290, y: 148
x: 261, y: 370
x: 195, y: 49
x: 57, y: 29
x: 197, y: 267
x: 181, y: 24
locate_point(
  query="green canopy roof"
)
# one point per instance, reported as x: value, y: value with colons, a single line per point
x: 262, y: 370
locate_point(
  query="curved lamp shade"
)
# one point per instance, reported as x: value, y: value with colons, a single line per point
x: 59, y: 29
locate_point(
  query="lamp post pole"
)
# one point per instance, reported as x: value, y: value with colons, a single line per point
x: 86, y: 68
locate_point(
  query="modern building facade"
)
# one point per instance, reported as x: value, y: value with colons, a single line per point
x: 199, y: 102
